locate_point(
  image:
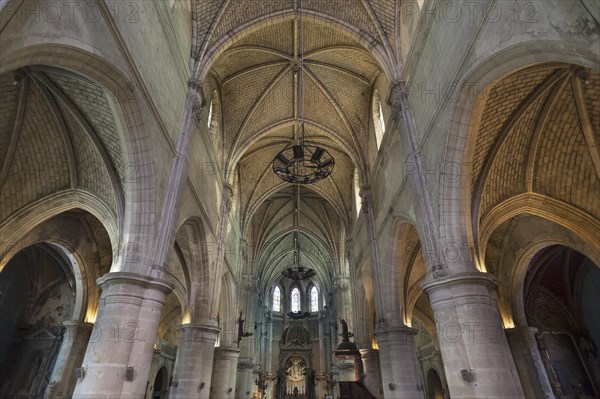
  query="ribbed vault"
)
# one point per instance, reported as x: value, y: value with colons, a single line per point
x: 57, y: 133
x: 266, y: 92
x: 539, y: 134
x: 273, y: 228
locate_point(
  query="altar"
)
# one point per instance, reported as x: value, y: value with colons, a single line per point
x: 295, y: 381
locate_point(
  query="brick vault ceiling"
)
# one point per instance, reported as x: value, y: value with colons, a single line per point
x: 538, y: 133
x: 57, y: 133
x: 261, y: 87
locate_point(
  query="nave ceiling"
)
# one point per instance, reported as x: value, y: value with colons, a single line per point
x: 260, y: 82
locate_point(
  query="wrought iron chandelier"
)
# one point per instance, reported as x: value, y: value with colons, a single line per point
x: 302, y: 162
x: 298, y: 273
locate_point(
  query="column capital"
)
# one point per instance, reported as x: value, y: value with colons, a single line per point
x: 227, y: 351
x: 365, y: 191
x: 245, y: 362
x: 192, y: 332
x: 389, y: 333
x: 341, y: 283
x: 195, y: 100
x: 366, y: 196
x: 227, y: 198
x: 195, y: 85
x: 208, y: 327
x: 397, y: 98
x: 135, y: 279
x: 250, y: 282
x: 468, y: 278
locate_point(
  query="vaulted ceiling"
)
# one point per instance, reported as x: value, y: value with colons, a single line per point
x: 271, y: 79
x: 57, y: 132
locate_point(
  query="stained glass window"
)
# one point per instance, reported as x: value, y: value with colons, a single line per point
x: 314, y: 299
x: 295, y: 300
x: 276, y: 299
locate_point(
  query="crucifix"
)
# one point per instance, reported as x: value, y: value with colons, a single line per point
x: 241, y: 332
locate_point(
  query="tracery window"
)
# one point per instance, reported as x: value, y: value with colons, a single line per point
x: 295, y: 300
x: 276, y: 299
x: 314, y: 299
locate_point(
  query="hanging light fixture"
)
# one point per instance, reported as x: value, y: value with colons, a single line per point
x: 302, y: 162
x: 297, y: 272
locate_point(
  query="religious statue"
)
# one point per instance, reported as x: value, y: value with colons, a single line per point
x: 345, y: 334
x: 241, y: 332
x: 296, y: 371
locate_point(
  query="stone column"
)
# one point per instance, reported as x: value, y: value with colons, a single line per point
x: 529, y: 363
x: 244, y: 382
x: 367, y: 209
x: 70, y: 357
x: 398, y: 362
x: 370, y: 359
x: 224, y: 373
x: 119, y: 354
x: 269, y: 361
x: 194, y: 361
x: 477, y: 359
x: 165, y: 231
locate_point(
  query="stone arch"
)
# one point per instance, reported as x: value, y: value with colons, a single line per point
x: 227, y: 311
x: 193, y: 244
x: 555, y: 299
x: 435, y: 389
x: 137, y: 222
x: 21, y: 223
x: 399, y: 279
x: 517, y: 254
x: 571, y: 218
x: 456, y: 157
x: 84, y: 244
x: 160, y: 385
x: 44, y: 295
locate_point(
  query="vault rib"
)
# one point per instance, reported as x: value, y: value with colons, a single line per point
x: 586, y: 123
x: 16, y: 131
x: 538, y: 133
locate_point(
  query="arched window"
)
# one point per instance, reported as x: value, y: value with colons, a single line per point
x: 314, y: 299
x: 209, y: 120
x: 357, y: 192
x: 295, y: 300
x: 276, y: 299
x: 378, y: 118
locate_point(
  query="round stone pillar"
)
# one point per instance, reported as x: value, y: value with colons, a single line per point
x: 398, y: 363
x: 121, y: 346
x: 70, y: 356
x: 243, y: 383
x: 529, y: 363
x: 192, y: 373
x: 477, y: 359
x: 224, y: 373
x: 372, y: 372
